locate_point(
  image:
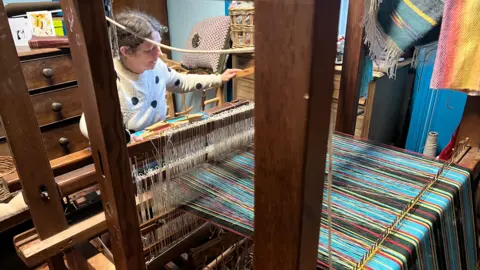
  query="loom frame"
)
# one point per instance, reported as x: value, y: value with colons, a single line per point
x: 26, y: 145
x: 105, y: 128
x: 286, y: 234
x: 87, y: 33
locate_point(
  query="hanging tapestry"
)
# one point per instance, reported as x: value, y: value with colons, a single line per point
x: 394, y: 26
x: 457, y: 64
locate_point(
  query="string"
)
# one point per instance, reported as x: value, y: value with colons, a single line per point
x: 329, y: 196
x: 183, y: 149
x: 227, y: 51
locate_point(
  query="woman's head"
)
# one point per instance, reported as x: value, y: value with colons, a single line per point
x: 138, y: 55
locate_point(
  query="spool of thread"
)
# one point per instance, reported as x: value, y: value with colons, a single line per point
x: 430, y: 149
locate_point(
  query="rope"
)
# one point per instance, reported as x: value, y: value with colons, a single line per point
x: 228, y: 51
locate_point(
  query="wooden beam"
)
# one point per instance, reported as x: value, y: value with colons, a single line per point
x: 26, y: 145
x: 352, y: 69
x: 61, y: 165
x: 86, y: 26
x: 36, y: 251
x: 295, y: 55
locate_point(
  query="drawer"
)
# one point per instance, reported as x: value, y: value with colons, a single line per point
x: 245, y: 89
x: 48, y: 71
x: 57, y: 105
x: 64, y: 140
x: 243, y: 62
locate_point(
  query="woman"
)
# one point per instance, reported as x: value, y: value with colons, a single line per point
x: 142, y: 78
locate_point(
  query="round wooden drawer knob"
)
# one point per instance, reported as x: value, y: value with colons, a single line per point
x: 47, y: 72
x: 63, y: 141
x: 57, y: 107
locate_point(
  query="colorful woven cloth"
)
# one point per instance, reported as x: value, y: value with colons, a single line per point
x: 371, y: 184
x: 394, y: 26
x: 457, y: 63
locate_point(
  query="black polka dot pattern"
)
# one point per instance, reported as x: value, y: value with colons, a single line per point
x: 154, y: 104
x: 199, y: 86
x: 134, y: 100
x: 157, y: 80
x: 177, y: 83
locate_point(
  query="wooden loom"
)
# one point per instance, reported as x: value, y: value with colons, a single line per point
x: 108, y: 144
x: 299, y: 91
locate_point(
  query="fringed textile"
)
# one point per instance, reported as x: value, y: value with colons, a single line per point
x: 394, y: 26
x: 457, y: 63
x: 371, y: 186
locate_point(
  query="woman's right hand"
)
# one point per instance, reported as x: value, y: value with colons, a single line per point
x: 229, y: 74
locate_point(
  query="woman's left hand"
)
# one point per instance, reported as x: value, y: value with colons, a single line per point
x: 229, y: 74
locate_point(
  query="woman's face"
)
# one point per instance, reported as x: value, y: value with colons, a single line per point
x: 145, y: 56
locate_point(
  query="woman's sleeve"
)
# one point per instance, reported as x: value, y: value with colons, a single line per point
x: 83, y: 129
x: 83, y: 126
x: 182, y: 83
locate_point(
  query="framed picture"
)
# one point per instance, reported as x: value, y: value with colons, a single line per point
x: 41, y: 23
x: 20, y: 31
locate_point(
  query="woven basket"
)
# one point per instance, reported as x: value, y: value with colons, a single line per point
x: 242, y: 27
x: 6, y: 167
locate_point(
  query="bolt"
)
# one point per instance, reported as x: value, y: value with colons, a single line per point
x: 44, y: 195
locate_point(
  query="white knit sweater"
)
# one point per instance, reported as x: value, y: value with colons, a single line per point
x: 142, y: 96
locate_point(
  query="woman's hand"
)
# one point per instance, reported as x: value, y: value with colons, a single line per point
x: 229, y: 74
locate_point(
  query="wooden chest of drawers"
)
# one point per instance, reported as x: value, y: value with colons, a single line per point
x: 244, y: 87
x: 55, y: 96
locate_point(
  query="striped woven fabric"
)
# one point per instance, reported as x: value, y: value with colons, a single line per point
x: 371, y: 185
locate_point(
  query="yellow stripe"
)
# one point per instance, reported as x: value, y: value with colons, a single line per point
x: 419, y: 12
x: 465, y: 67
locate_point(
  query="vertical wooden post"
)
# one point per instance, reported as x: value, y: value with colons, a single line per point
x: 89, y: 43
x: 470, y: 124
x: 295, y: 56
x: 26, y: 144
x: 352, y: 69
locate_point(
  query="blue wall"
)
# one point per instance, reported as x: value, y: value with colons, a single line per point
x: 184, y: 14
x: 5, y: 2
x: 342, y: 24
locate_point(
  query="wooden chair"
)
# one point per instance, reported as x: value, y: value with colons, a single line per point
x: 217, y: 100
x: 219, y: 96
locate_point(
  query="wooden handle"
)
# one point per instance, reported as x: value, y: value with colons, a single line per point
x: 64, y: 141
x: 211, y: 101
x: 47, y: 72
x: 57, y: 107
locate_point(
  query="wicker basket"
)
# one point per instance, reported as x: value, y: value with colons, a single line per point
x: 6, y: 167
x: 243, y: 26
